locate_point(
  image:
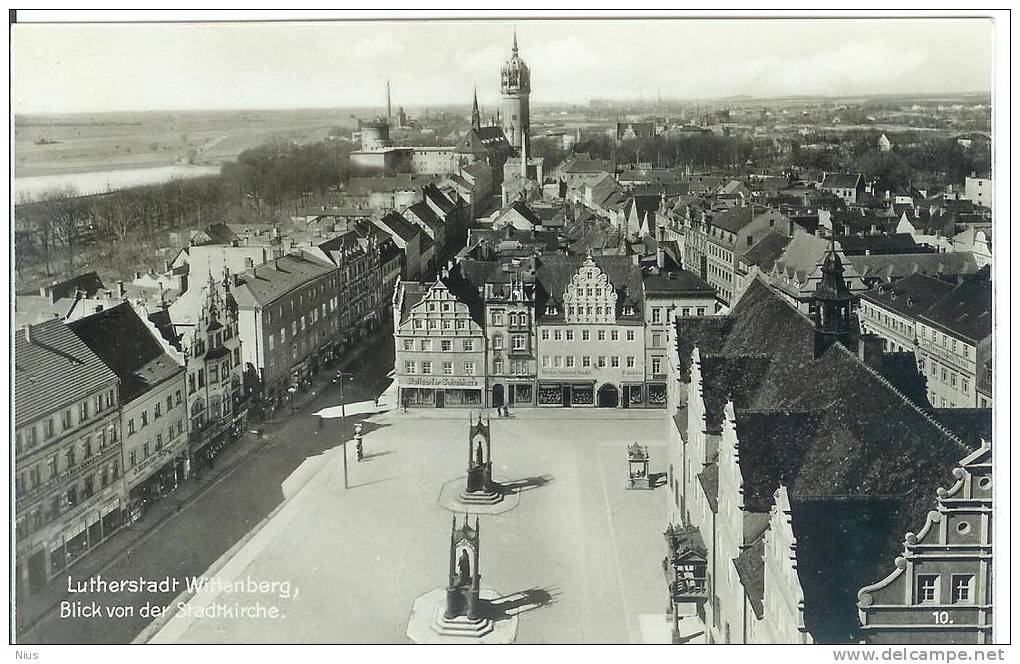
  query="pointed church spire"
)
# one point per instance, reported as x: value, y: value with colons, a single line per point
x: 476, y: 118
x: 515, y: 40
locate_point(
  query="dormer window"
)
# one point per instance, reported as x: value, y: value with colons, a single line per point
x: 628, y: 310
x: 551, y: 310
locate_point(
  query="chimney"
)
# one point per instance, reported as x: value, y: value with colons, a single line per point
x: 28, y: 333
x: 120, y: 288
x: 166, y: 266
x: 138, y: 275
x: 869, y: 351
x: 249, y: 264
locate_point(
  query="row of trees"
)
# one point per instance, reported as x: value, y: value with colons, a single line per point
x: 698, y: 151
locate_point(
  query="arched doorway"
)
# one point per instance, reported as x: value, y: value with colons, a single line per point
x: 608, y: 396
x: 497, y: 396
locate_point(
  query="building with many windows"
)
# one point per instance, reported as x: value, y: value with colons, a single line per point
x: 203, y: 324
x: 153, y: 403
x: 669, y: 294
x: 440, y: 346
x: 69, y: 491
x: 288, y: 322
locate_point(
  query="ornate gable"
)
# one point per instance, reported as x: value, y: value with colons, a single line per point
x: 590, y: 296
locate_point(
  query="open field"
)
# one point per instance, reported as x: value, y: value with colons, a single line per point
x: 81, y: 143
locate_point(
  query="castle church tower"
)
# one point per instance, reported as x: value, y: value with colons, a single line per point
x: 515, y: 85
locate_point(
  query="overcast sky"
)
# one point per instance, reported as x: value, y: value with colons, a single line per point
x: 107, y: 67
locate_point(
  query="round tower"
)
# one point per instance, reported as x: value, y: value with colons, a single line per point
x: 515, y: 85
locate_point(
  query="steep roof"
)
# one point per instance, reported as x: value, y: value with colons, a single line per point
x: 427, y: 215
x: 53, y: 370
x: 890, y: 267
x: 766, y: 251
x: 267, y: 283
x: 834, y: 432
x: 841, y: 180
x: 675, y: 282
x: 897, y: 243
x: 966, y: 310
x: 554, y: 272
x: 127, y: 345
x: 910, y: 295
x: 399, y: 226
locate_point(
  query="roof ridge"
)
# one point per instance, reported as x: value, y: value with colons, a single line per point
x: 904, y: 398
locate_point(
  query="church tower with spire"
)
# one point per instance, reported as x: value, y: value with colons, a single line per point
x: 476, y: 117
x: 515, y: 85
x: 832, y: 307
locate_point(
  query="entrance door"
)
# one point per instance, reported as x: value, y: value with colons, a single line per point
x: 440, y: 398
x: 626, y: 396
x: 497, y: 396
x: 566, y: 396
x: 608, y: 396
x: 37, y: 571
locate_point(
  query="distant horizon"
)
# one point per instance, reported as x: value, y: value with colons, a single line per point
x: 538, y: 104
x: 178, y: 67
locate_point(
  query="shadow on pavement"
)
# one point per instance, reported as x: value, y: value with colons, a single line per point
x: 517, y: 603
x: 525, y: 484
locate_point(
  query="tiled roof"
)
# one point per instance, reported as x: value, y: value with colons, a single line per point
x: 910, y: 295
x: 832, y: 430
x: 128, y: 346
x: 841, y: 180
x: 967, y: 309
x: 554, y: 273
x: 88, y: 282
x: 889, y: 267
x: 267, y: 283
x: 54, y: 370
x: 971, y: 425
x: 766, y: 251
x: 897, y: 243
x: 401, y: 227
x: 433, y: 193
x: 427, y: 215
x: 676, y: 281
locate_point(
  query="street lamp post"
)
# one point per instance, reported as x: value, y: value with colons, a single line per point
x: 340, y: 378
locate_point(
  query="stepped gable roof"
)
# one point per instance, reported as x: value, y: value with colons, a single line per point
x: 966, y: 310
x: 910, y: 296
x: 127, y: 345
x: 890, y: 267
x: 266, y: 283
x: 766, y: 251
x: 467, y: 290
x: 750, y: 566
x: 54, y: 369
x: 554, y: 272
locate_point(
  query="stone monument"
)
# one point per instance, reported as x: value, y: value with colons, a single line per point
x: 480, y: 489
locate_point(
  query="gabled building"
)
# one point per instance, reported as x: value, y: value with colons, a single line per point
x: 800, y: 466
x: 848, y: 186
x: 153, y: 401
x: 69, y: 492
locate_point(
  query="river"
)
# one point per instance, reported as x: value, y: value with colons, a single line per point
x: 96, y: 182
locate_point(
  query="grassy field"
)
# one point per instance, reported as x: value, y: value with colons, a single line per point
x: 79, y: 143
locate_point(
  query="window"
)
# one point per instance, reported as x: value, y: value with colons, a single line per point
x: 602, y: 335
x: 48, y: 429
x: 570, y: 361
x: 145, y: 418
x: 469, y: 368
x: 69, y: 454
x: 425, y: 344
x: 585, y: 335
x: 446, y: 324
x: 157, y: 412
x: 570, y: 335
x: 83, y: 411
x: 132, y: 459
x: 109, y: 398
x: 88, y: 446
x: 558, y: 335
x: 98, y: 403
x: 497, y: 366
x: 497, y: 342
x: 701, y: 311
x: 447, y: 368
x: 545, y: 335
x: 519, y: 342
x: 927, y: 588
x: 630, y: 361
x: 469, y: 344
x: 614, y: 361
x: 446, y: 345
x: 656, y: 365
x: 602, y: 361
x: 426, y: 368
x: 461, y: 324
x: 410, y: 367
x: 656, y: 340
x: 614, y: 335
x: 145, y: 450
x: 408, y: 344
x: 586, y: 361
x: 159, y: 441
x: 65, y: 420
x: 630, y: 335
x: 545, y: 361
x: 497, y: 317
x: 201, y: 383
x: 657, y: 314
x: 131, y: 426
x: 51, y: 466
x: 169, y: 404
x: 556, y: 361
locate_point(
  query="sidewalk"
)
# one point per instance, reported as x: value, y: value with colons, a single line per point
x: 31, y: 609
x: 35, y: 606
